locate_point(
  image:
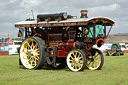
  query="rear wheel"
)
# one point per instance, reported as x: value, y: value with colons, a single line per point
x: 96, y: 60
x: 32, y: 53
x: 76, y: 60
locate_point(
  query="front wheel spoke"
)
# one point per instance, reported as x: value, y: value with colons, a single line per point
x: 90, y: 57
x: 71, y: 64
x: 80, y: 57
x: 80, y: 61
x: 96, y: 64
x: 74, y: 54
x: 79, y: 65
x: 96, y: 55
x: 87, y: 65
x: 92, y: 64
x: 98, y: 58
x: 75, y: 66
x: 71, y: 57
x: 98, y: 61
x: 70, y: 61
x: 89, y: 62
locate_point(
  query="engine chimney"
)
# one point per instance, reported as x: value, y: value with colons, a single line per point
x: 84, y: 13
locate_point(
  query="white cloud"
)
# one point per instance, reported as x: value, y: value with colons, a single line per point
x: 12, y: 1
x: 104, y: 10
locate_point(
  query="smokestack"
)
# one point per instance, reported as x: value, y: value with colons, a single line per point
x: 84, y: 13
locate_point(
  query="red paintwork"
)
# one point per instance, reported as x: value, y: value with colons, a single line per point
x: 62, y: 52
x: 10, y: 43
x: 4, y: 53
x: 50, y: 53
x: 85, y: 53
x: 70, y: 43
x: 54, y: 44
x: 38, y: 34
x: 101, y: 40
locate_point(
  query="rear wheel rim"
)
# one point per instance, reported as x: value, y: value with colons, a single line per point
x: 93, y: 62
x: 75, y: 60
x: 30, y: 53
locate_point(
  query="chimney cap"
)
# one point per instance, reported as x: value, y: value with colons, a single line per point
x: 84, y: 11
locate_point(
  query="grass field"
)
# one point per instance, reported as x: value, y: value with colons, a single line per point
x: 114, y: 72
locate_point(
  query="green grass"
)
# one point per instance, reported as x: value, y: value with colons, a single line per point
x: 114, y: 72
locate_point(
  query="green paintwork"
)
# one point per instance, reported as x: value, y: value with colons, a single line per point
x: 99, y: 32
x: 116, y: 46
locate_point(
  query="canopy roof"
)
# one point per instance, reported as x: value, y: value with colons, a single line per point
x: 68, y: 22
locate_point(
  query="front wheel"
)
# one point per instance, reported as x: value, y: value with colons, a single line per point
x: 96, y: 60
x: 76, y: 60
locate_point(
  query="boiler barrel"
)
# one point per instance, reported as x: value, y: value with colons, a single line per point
x: 42, y: 17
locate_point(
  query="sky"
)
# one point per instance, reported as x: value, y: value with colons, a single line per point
x: 13, y: 11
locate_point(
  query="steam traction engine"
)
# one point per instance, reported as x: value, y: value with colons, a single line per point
x: 60, y: 40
